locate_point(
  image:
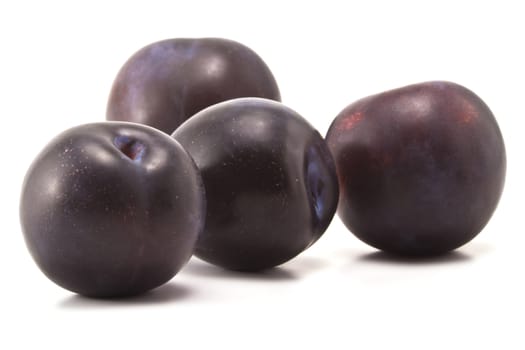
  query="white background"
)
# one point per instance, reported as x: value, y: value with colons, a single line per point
x: 57, y: 64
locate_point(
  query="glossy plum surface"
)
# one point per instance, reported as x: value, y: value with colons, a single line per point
x: 167, y: 82
x: 270, y: 182
x: 112, y: 209
x: 421, y: 168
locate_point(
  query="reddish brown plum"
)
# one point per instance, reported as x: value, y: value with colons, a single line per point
x: 270, y: 182
x: 112, y: 209
x: 421, y: 168
x: 167, y: 82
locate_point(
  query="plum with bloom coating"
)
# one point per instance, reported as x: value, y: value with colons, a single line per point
x: 167, y: 82
x: 112, y: 209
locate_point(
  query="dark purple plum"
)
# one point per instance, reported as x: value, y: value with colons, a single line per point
x: 112, y: 209
x: 270, y: 181
x: 167, y: 82
x: 421, y: 168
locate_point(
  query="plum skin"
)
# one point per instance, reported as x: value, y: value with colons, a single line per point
x: 421, y: 168
x: 270, y: 182
x: 166, y: 82
x: 112, y: 209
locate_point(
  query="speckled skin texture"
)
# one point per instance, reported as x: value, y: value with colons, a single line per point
x: 421, y: 168
x: 270, y: 182
x: 167, y: 82
x: 112, y: 209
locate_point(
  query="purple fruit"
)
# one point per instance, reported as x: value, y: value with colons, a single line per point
x: 167, y: 82
x: 421, y: 168
x: 112, y: 209
x: 270, y: 182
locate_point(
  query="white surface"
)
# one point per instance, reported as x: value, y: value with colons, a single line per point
x: 57, y: 64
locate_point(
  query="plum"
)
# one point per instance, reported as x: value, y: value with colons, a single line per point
x: 421, y: 168
x: 270, y: 182
x: 167, y: 82
x: 112, y: 209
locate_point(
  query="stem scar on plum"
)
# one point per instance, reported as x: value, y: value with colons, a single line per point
x: 131, y: 148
